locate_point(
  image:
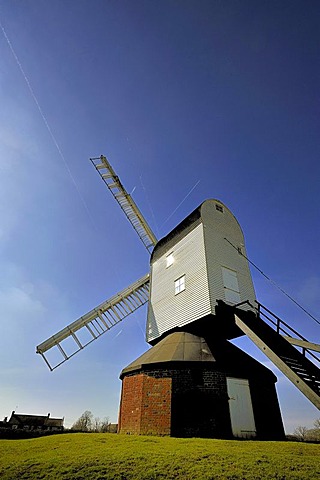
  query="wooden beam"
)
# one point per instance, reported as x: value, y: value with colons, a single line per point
x: 302, y: 343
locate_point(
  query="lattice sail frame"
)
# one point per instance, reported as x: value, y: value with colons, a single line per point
x: 112, y: 311
x: 125, y: 201
x: 97, y: 322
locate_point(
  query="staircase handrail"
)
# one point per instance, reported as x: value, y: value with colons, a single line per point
x: 278, y: 324
x: 279, y: 321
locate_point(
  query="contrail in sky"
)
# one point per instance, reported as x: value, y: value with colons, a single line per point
x: 46, y: 122
x: 174, y: 211
x: 119, y: 333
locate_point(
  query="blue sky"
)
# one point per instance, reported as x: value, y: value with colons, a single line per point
x: 220, y: 96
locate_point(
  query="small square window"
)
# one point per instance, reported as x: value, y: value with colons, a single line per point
x: 180, y: 285
x: 219, y: 208
x: 170, y: 260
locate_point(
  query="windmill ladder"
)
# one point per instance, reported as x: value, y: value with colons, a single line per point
x: 125, y: 201
x: 96, y: 322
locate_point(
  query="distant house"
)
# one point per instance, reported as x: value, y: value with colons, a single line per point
x: 4, y: 423
x: 20, y: 421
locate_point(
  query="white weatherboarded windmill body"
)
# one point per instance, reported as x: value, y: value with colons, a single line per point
x: 197, y: 261
x: 200, y: 295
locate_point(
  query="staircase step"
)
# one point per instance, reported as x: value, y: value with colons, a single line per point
x: 304, y: 374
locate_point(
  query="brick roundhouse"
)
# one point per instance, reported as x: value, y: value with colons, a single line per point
x: 180, y: 388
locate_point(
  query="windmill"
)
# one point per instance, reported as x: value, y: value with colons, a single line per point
x: 200, y: 295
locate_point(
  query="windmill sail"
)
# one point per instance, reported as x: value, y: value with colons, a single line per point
x: 125, y: 201
x: 95, y: 323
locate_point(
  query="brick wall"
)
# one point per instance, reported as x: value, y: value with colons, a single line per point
x: 130, y: 405
x: 192, y: 401
x: 200, y: 403
x: 145, y: 407
x: 156, y: 408
x: 182, y: 402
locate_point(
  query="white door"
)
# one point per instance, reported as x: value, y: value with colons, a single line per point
x: 241, y: 412
x: 231, y: 286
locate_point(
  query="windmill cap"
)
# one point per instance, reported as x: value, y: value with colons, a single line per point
x: 183, y: 348
x: 176, y: 347
x: 189, y: 223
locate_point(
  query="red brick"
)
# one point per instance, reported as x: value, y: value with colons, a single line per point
x: 145, y: 407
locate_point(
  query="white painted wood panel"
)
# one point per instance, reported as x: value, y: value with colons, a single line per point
x: 168, y: 309
x: 231, y: 285
x: 220, y: 228
x: 240, y: 405
x: 213, y: 270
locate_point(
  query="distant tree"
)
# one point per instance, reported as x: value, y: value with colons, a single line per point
x: 105, y: 425
x: 314, y: 433
x: 317, y: 424
x: 101, y: 425
x: 301, y: 433
x: 96, y: 425
x: 84, y: 423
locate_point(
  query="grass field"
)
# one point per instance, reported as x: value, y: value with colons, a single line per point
x: 109, y: 456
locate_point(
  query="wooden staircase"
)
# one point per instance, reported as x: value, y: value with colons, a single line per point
x: 277, y: 345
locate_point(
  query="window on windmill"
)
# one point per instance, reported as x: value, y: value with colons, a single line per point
x: 219, y: 208
x: 180, y: 285
x: 170, y: 260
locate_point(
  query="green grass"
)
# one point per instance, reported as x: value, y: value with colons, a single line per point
x: 119, y: 457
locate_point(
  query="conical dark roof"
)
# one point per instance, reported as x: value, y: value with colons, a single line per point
x: 176, y: 347
x: 184, y: 347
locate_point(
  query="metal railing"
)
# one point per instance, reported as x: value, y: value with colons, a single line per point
x: 280, y: 326
x: 283, y: 328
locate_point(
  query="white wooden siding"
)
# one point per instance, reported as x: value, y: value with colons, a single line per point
x: 167, y: 310
x: 219, y: 226
x: 213, y: 270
